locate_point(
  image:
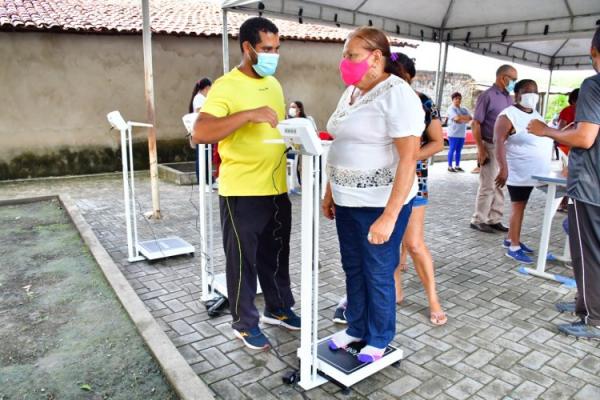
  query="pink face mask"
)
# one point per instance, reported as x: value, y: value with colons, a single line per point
x: 353, y: 72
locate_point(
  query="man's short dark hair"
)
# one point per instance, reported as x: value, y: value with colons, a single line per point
x: 504, y: 69
x: 573, y: 96
x: 251, y: 28
x: 455, y: 95
x: 596, y: 39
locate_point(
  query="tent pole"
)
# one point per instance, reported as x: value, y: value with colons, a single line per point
x: 439, y: 67
x: 442, y: 78
x: 150, y: 110
x: 547, y: 99
x: 225, y: 37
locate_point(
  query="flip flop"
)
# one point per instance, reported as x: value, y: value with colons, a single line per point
x: 438, y: 318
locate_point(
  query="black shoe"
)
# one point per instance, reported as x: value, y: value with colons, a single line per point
x: 458, y: 169
x: 482, y: 228
x: 450, y: 169
x: 498, y: 227
x: 339, y: 317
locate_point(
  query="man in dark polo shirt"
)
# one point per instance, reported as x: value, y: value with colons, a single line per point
x: 583, y: 187
x: 489, y: 205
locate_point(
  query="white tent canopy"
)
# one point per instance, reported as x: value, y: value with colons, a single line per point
x: 551, y: 34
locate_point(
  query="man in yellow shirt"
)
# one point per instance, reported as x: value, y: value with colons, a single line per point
x: 241, y: 112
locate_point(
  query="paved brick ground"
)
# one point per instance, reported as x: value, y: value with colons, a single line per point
x: 500, y: 342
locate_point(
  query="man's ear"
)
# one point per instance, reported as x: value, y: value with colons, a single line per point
x: 247, y: 51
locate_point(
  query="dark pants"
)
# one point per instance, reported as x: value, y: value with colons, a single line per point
x: 371, y: 310
x: 256, y: 240
x: 584, y: 240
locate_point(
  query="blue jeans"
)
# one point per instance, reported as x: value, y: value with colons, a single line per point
x: 371, y: 311
x: 456, y: 145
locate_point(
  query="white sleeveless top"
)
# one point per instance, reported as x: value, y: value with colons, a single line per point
x: 362, y: 160
x: 526, y: 153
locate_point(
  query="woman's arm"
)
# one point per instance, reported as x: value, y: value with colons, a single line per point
x: 407, y: 148
x: 436, y: 140
x: 327, y: 205
x: 502, y: 130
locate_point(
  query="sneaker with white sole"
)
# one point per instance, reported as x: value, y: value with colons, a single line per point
x: 339, y: 317
x: 253, y: 338
x: 284, y: 317
x: 526, y: 249
x: 520, y: 256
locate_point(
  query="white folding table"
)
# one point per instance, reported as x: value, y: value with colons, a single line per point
x: 552, y: 180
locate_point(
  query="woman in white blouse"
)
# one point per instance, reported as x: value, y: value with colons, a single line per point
x: 376, y: 127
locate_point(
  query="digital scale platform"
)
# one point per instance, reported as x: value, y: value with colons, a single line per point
x: 343, y: 365
x: 213, y: 284
x: 319, y: 364
x: 165, y: 247
x: 149, y: 249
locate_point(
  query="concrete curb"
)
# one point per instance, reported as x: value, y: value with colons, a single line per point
x: 179, y: 374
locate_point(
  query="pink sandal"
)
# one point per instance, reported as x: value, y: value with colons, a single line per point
x: 438, y: 318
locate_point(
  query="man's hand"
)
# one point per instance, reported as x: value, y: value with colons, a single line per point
x: 263, y: 114
x: 536, y: 127
x: 482, y: 155
x: 502, y: 177
x: 381, y: 230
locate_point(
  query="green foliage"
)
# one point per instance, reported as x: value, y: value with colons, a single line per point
x: 556, y: 104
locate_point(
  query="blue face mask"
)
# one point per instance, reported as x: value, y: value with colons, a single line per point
x: 266, y: 63
x: 511, y: 86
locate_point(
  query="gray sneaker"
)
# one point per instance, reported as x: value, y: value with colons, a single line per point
x: 580, y: 330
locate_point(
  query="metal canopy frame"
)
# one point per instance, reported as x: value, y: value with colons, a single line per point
x: 497, y: 39
x: 509, y: 40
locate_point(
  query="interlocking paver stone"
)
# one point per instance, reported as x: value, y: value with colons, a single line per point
x: 402, y: 386
x: 534, y: 360
x: 527, y: 391
x: 588, y: 392
x: 464, y: 389
x: 500, y: 340
x: 495, y: 390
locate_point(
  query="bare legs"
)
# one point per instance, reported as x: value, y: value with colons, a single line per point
x: 413, y: 244
x: 516, y: 221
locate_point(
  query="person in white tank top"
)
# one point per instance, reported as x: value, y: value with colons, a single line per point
x: 520, y: 155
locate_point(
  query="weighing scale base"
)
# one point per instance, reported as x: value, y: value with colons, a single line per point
x: 343, y: 365
x: 163, y: 248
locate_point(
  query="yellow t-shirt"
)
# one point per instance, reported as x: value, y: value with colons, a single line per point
x: 249, y: 166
